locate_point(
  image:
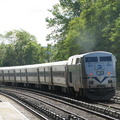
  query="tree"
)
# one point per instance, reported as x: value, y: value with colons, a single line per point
x: 21, y: 48
x: 2, y: 53
x: 9, y: 57
x: 48, y: 56
x: 63, y: 12
x: 32, y: 53
x: 20, y: 39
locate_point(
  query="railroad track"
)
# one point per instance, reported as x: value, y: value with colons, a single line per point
x: 117, y: 97
x: 56, y: 103
x: 26, y: 106
x: 43, y: 106
x: 113, y: 106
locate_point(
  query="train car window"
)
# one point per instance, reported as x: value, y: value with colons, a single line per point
x: 6, y: 74
x: 58, y: 74
x: 106, y: 58
x: 22, y: 74
x: 47, y: 73
x: 11, y: 74
x: 1, y: 74
x: 17, y: 74
x: 77, y: 60
x: 70, y: 77
x: 41, y: 73
x: 31, y: 74
x: 91, y: 59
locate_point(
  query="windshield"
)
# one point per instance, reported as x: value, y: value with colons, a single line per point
x: 106, y: 58
x: 91, y: 59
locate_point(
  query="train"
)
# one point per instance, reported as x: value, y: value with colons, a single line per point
x: 91, y: 75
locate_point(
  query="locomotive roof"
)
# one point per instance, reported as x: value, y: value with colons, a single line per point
x: 90, y: 53
x: 96, y: 52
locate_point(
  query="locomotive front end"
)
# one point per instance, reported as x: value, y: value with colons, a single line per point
x: 99, y: 77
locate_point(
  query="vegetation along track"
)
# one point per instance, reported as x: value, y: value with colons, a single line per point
x: 55, y: 108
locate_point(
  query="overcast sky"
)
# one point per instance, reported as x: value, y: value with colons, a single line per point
x: 28, y: 15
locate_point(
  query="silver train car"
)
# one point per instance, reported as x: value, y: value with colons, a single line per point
x: 91, y: 75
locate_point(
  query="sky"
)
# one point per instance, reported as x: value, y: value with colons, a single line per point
x: 28, y: 15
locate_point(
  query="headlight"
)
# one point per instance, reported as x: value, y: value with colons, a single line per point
x: 109, y: 73
x: 100, y: 72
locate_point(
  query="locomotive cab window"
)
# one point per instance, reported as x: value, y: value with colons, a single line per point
x: 106, y: 58
x: 91, y: 59
x: 77, y: 60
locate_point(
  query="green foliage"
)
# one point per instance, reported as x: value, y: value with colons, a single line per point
x: 21, y: 48
x: 9, y: 57
x: 31, y: 53
x: 85, y: 25
x: 2, y: 53
x: 63, y: 13
x: 48, y: 55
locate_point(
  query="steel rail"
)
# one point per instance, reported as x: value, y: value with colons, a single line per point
x: 25, y: 106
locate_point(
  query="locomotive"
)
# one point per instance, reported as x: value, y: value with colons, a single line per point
x: 91, y: 75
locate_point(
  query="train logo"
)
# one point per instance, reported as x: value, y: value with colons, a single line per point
x: 99, y: 66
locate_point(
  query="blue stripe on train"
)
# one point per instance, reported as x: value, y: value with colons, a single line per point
x: 99, y: 80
